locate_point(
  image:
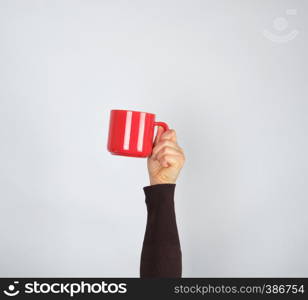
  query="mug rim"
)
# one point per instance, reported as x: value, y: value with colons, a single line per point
x: 133, y: 111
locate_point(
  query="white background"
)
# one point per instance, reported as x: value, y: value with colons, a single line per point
x: 237, y: 100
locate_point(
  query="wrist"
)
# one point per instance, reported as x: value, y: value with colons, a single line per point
x: 159, y: 181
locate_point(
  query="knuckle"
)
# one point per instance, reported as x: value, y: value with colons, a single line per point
x: 166, y: 143
x: 164, y: 156
x: 165, y: 150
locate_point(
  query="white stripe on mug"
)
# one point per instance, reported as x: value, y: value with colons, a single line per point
x: 128, y: 125
x: 141, y: 132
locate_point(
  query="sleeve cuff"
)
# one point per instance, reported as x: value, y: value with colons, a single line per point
x: 159, y: 191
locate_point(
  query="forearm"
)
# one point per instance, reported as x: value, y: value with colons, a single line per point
x: 161, y: 253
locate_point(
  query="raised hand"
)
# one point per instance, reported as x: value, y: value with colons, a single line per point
x: 167, y: 158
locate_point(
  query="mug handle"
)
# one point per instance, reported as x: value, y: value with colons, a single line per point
x: 162, y: 124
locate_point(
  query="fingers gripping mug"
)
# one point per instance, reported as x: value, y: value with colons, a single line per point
x: 131, y: 133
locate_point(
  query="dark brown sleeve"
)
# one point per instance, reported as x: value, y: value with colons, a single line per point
x: 161, y: 253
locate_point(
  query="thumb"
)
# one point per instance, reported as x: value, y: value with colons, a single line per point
x: 160, y: 131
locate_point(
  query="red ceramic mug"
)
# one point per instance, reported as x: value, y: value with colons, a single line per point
x: 131, y: 132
